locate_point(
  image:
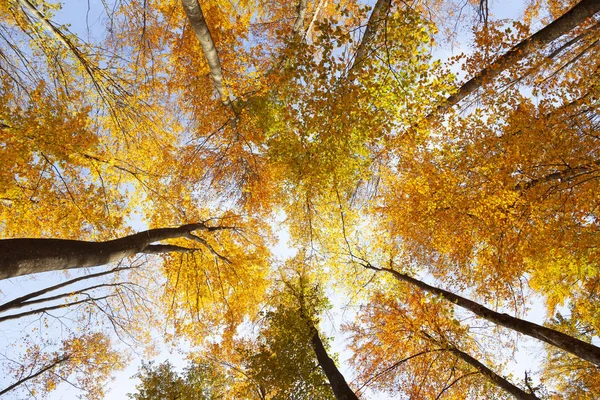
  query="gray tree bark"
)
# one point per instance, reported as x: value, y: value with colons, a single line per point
x: 26, y: 256
x: 494, y: 377
x: 572, y: 18
x: 340, y: 387
x: 300, y: 14
x: 581, y: 349
x: 376, y: 19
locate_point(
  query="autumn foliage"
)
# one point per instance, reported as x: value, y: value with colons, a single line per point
x: 439, y: 197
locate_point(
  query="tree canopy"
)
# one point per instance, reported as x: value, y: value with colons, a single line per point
x: 175, y: 146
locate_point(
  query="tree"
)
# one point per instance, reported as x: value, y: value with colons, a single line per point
x: 581, y: 349
x: 198, y: 382
x: 326, y: 114
x: 308, y: 303
x: 574, y: 17
x: 85, y: 361
x: 29, y: 256
x: 412, y: 344
x: 478, y: 205
x: 288, y: 358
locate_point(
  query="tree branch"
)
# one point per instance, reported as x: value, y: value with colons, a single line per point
x: 566, y: 174
x: 68, y: 294
x: 396, y: 365
x: 208, y: 246
x: 17, y: 303
x: 56, y: 362
x: 46, y: 309
x: 314, y: 18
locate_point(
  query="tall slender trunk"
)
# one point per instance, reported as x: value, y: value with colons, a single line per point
x: 375, y: 22
x: 581, y: 349
x: 494, y: 377
x: 26, y: 256
x: 575, y: 16
x: 196, y: 17
x: 340, y: 387
x: 300, y: 14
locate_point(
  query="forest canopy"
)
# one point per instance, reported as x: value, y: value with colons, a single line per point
x: 254, y: 182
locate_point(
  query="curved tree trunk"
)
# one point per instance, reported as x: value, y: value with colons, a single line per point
x: 30, y: 256
x: 581, y: 349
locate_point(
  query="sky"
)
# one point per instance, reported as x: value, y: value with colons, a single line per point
x: 86, y: 18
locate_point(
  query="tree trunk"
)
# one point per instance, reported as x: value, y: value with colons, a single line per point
x: 196, y: 17
x: 581, y: 349
x: 300, y: 14
x: 566, y: 174
x: 378, y: 15
x: 575, y: 16
x: 30, y: 256
x: 340, y: 388
x: 48, y: 367
x: 494, y: 377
